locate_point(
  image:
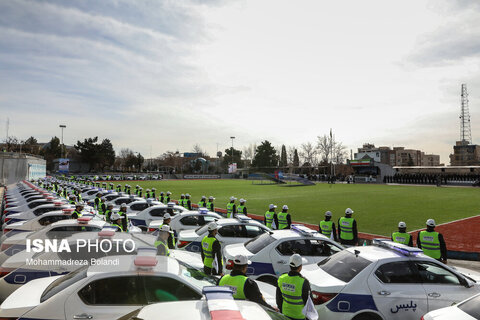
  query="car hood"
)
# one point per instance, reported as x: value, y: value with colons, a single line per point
x: 268, y: 292
x: 320, y: 280
x: 18, y: 238
x: 15, y: 224
x: 447, y: 313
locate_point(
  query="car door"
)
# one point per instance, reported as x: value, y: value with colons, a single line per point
x: 106, y: 298
x: 398, y: 291
x: 284, y: 250
x: 442, y: 286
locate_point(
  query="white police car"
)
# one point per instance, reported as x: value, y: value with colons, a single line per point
x: 217, y: 305
x: 112, y: 288
x: 187, y: 220
x: 384, y: 281
x: 32, y: 213
x: 19, y: 269
x: 231, y: 230
x: 139, y: 205
x: 468, y: 309
x: 57, y: 230
x: 36, y: 223
x: 269, y: 252
x: 12, y: 208
x: 155, y: 212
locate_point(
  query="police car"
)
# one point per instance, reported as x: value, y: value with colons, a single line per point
x: 269, y: 252
x: 17, y: 270
x: 11, y: 208
x: 156, y: 212
x: 32, y: 213
x: 218, y: 304
x: 57, y: 230
x: 139, y: 205
x: 468, y: 309
x: 36, y: 223
x: 110, y: 289
x: 21, y: 200
x: 230, y: 230
x: 187, y: 220
x: 384, y: 281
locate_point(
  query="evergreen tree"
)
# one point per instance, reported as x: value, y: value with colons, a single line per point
x: 283, y: 157
x: 265, y: 157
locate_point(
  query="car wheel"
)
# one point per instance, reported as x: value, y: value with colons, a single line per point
x: 367, y: 316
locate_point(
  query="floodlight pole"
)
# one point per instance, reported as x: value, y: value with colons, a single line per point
x: 62, y: 126
x: 232, y: 147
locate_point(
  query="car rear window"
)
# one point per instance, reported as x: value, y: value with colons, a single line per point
x: 259, y: 242
x: 64, y: 282
x: 471, y: 307
x: 344, y: 265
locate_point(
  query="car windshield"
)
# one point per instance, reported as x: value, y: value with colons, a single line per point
x: 201, y: 230
x: 471, y: 307
x: 259, y: 242
x: 344, y: 265
x: 196, y: 277
x: 64, y: 282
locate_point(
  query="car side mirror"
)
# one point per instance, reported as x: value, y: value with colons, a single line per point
x: 467, y: 283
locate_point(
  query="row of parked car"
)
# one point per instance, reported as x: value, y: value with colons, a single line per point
x: 382, y: 281
x: 109, y: 177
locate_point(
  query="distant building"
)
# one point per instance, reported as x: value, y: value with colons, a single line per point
x: 398, y: 156
x: 465, y: 154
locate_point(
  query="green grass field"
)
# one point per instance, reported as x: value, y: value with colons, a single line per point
x: 378, y: 208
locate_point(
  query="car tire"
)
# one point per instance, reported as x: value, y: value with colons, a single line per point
x: 367, y: 316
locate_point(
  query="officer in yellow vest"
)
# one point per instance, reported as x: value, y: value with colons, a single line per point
x: 166, y: 222
x: 109, y: 211
x: 432, y: 242
x: 242, y: 209
x: 168, y: 198
x: 270, y: 218
x: 284, y: 219
x: 202, y: 203
x: 152, y: 194
x: 162, y: 197
x: 188, y: 202
x: 147, y: 194
x: 347, y: 229
x: 212, y: 252
x: 161, y: 242
x: 116, y: 220
x: 210, y: 204
x: 181, y: 201
x: 402, y: 236
x: 243, y: 288
x: 293, y: 290
x: 78, y: 210
x: 327, y: 227
x: 231, y: 208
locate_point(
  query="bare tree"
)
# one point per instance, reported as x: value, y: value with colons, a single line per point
x: 324, y: 147
x: 308, y: 153
x: 331, y: 150
x: 197, y: 149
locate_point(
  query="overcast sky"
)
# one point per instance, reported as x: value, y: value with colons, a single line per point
x: 166, y: 75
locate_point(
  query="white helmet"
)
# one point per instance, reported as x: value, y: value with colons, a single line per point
x: 115, y: 216
x: 328, y: 214
x: 232, y: 198
x: 285, y: 207
x: 212, y: 226
x: 431, y: 223
x: 123, y: 205
x: 243, y: 200
x: 402, y: 224
x: 348, y: 211
x: 166, y: 216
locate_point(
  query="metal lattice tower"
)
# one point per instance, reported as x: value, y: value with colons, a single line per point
x: 465, y: 129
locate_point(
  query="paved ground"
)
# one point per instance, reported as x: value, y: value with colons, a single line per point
x: 472, y: 265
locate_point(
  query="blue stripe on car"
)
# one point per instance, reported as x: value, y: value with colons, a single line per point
x: 194, y: 246
x: 14, y: 232
x: 257, y: 268
x: 138, y: 222
x: 14, y: 249
x: 21, y: 276
x: 346, y: 302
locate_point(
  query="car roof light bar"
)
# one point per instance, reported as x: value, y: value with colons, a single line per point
x: 398, y: 247
x: 306, y: 231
